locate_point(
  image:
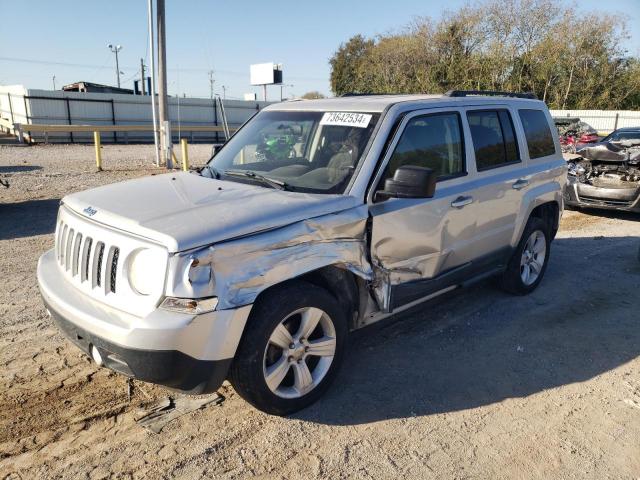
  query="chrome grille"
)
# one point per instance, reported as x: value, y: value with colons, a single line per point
x: 86, y: 255
x: 95, y: 259
x: 97, y: 279
x: 113, y: 268
x: 86, y: 260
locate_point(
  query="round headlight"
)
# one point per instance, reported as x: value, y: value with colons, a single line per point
x: 146, y: 270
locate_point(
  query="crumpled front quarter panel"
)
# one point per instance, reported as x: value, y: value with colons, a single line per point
x: 244, y: 267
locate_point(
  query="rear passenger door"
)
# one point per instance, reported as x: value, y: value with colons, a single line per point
x: 500, y: 179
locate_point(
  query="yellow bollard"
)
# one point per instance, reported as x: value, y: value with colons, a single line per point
x: 185, y: 154
x: 96, y: 139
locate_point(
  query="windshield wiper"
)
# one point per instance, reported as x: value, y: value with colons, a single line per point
x: 256, y: 176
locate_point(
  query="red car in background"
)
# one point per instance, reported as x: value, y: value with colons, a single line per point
x: 574, y: 133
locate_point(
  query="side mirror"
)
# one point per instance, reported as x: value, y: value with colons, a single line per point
x: 409, y: 181
x: 216, y: 148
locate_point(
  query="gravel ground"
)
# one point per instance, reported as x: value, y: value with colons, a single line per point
x: 479, y: 384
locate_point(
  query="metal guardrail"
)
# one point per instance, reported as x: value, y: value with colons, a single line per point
x: 23, y: 131
x: 20, y: 131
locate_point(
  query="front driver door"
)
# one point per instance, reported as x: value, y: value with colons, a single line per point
x: 418, y: 244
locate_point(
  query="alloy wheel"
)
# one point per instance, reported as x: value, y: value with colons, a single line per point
x: 533, y: 256
x: 299, y: 352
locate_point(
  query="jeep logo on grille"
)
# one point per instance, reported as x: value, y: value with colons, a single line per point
x: 90, y: 211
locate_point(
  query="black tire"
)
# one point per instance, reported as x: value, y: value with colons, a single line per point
x: 246, y: 373
x: 511, y: 280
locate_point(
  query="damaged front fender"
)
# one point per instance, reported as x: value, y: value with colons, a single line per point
x: 242, y: 268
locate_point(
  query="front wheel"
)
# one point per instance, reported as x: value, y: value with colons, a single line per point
x: 529, y: 260
x: 293, y: 345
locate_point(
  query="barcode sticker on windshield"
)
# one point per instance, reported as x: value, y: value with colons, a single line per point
x: 346, y: 119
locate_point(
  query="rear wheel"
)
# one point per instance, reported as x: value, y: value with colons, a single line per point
x: 529, y: 261
x: 293, y: 344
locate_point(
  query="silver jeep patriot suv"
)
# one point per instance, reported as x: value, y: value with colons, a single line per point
x: 316, y: 218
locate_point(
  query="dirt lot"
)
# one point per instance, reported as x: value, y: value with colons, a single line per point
x: 476, y: 385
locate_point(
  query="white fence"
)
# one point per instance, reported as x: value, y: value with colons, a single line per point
x: 604, y: 121
x: 21, y: 105
x: 56, y: 107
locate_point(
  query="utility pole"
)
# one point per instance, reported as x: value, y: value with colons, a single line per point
x: 165, y: 126
x: 154, y: 108
x: 115, y: 49
x: 142, y: 76
x: 54, y: 82
x: 211, y: 82
x: 282, y: 85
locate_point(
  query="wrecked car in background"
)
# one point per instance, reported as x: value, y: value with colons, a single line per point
x: 607, y: 174
x: 622, y: 134
x: 316, y: 218
x: 574, y: 133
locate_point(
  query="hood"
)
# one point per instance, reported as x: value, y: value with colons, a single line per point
x: 612, y: 152
x: 183, y: 211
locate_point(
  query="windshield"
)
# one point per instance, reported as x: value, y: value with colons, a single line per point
x: 299, y: 151
x: 623, y: 135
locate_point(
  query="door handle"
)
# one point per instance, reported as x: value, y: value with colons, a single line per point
x: 461, y: 202
x: 520, y: 184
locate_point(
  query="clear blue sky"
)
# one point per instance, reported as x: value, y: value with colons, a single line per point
x: 69, y: 39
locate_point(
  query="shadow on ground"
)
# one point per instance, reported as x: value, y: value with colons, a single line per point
x: 601, y: 212
x: 480, y: 346
x: 25, y: 219
x: 18, y: 168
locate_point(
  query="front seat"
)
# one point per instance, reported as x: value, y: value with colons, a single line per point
x: 345, y: 158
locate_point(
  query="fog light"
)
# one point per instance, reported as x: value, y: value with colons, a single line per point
x: 95, y: 354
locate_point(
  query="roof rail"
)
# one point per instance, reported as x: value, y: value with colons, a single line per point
x: 355, y: 94
x: 490, y: 93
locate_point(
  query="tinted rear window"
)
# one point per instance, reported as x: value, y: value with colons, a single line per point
x: 493, y: 138
x: 536, y: 130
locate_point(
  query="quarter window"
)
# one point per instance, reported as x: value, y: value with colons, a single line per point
x: 493, y: 136
x: 537, y: 132
x: 431, y: 141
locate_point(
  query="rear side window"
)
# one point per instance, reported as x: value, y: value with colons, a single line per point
x: 493, y: 136
x: 431, y: 141
x: 536, y: 130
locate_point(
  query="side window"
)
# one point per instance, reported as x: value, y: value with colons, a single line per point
x: 494, y: 139
x: 536, y: 130
x: 432, y: 141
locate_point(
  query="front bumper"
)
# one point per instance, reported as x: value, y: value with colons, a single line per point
x: 579, y: 194
x: 191, y: 353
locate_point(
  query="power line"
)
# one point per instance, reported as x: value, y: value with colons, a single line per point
x: 182, y: 69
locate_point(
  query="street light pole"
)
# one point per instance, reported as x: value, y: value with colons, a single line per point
x: 154, y: 108
x: 115, y: 49
x: 165, y: 126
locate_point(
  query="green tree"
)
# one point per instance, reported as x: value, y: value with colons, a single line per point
x: 569, y: 61
x: 313, y: 95
x: 347, y: 65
